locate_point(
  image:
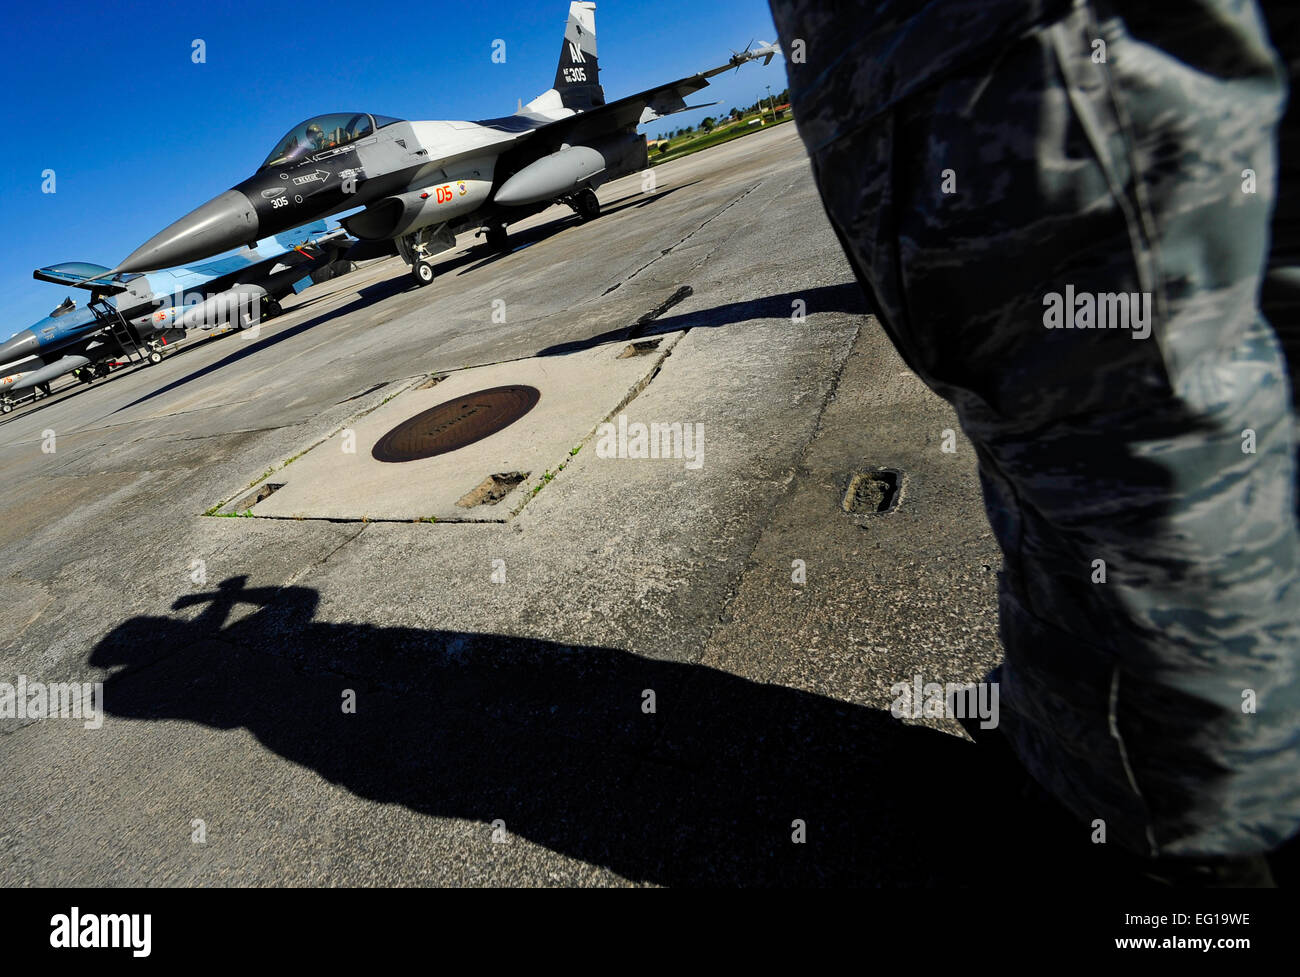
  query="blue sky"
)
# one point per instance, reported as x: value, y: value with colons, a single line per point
x: 107, y: 96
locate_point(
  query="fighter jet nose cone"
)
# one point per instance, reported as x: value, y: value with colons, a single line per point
x: 19, y: 346
x: 222, y: 223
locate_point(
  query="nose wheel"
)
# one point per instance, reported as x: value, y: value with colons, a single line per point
x: 423, y: 272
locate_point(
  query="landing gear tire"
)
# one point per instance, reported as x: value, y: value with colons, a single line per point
x: 85, y: 376
x: 423, y: 272
x: 101, y: 370
x: 6, y: 406
x: 272, y: 309
x: 587, y: 204
x: 498, y: 240
x: 155, y: 357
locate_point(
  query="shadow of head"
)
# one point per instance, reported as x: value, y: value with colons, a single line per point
x: 846, y: 297
x: 661, y: 770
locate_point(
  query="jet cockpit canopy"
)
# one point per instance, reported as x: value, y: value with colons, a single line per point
x: 322, y: 133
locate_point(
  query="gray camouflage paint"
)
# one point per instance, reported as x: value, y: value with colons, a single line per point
x: 421, y: 183
x: 1124, y: 699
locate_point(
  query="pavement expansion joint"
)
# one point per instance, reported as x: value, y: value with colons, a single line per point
x: 669, y: 250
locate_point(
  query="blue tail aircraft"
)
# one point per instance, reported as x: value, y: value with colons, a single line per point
x: 137, y: 315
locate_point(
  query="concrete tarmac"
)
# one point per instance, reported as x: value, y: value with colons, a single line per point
x: 635, y: 670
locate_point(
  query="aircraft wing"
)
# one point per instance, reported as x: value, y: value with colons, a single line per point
x: 271, y: 249
x: 300, y: 245
x: 310, y: 250
x: 657, y: 102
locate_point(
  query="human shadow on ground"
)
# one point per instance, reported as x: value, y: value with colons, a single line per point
x: 712, y: 787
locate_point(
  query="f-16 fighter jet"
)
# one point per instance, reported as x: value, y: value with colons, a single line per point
x: 421, y: 183
x: 130, y: 314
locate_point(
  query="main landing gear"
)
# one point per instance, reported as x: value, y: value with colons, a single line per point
x: 586, y: 205
x: 498, y: 239
x: 270, y: 308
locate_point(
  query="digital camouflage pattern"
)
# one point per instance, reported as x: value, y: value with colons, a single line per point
x: 1128, y: 700
x: 1280, y: 296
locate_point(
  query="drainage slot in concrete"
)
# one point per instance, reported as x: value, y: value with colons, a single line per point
x: 684, y: 292
x: 642, y: 348
x: 455, y: 424
x: 263, y: 491
x: 873, y: 491
x: 492, y: 490
x: 369, y: 390
x: 431, y: 382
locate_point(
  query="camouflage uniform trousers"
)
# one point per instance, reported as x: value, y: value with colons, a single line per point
x: 1280, y: 296
x: 1164, y: 701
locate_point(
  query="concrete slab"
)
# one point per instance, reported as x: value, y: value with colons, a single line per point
x: 341, y: 479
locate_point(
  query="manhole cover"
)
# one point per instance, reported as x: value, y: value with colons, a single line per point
x: 455, y: 423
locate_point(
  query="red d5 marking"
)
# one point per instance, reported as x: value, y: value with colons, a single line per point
x: 444, y: 195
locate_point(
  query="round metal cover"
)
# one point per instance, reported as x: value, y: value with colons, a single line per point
x: 456, y: 423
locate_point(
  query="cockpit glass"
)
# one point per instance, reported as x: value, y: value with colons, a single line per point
x: 322, y: 133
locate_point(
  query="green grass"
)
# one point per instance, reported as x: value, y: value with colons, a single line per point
x: 546, y: 480
x: 549, y: 475
x: 696, y: 141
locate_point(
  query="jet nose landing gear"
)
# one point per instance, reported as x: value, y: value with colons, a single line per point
x: 419, y: 247
x: 423, y: 272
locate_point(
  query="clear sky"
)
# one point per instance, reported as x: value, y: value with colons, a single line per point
x: 137, y: 134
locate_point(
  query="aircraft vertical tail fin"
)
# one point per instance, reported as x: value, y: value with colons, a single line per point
x: 577, y: 79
